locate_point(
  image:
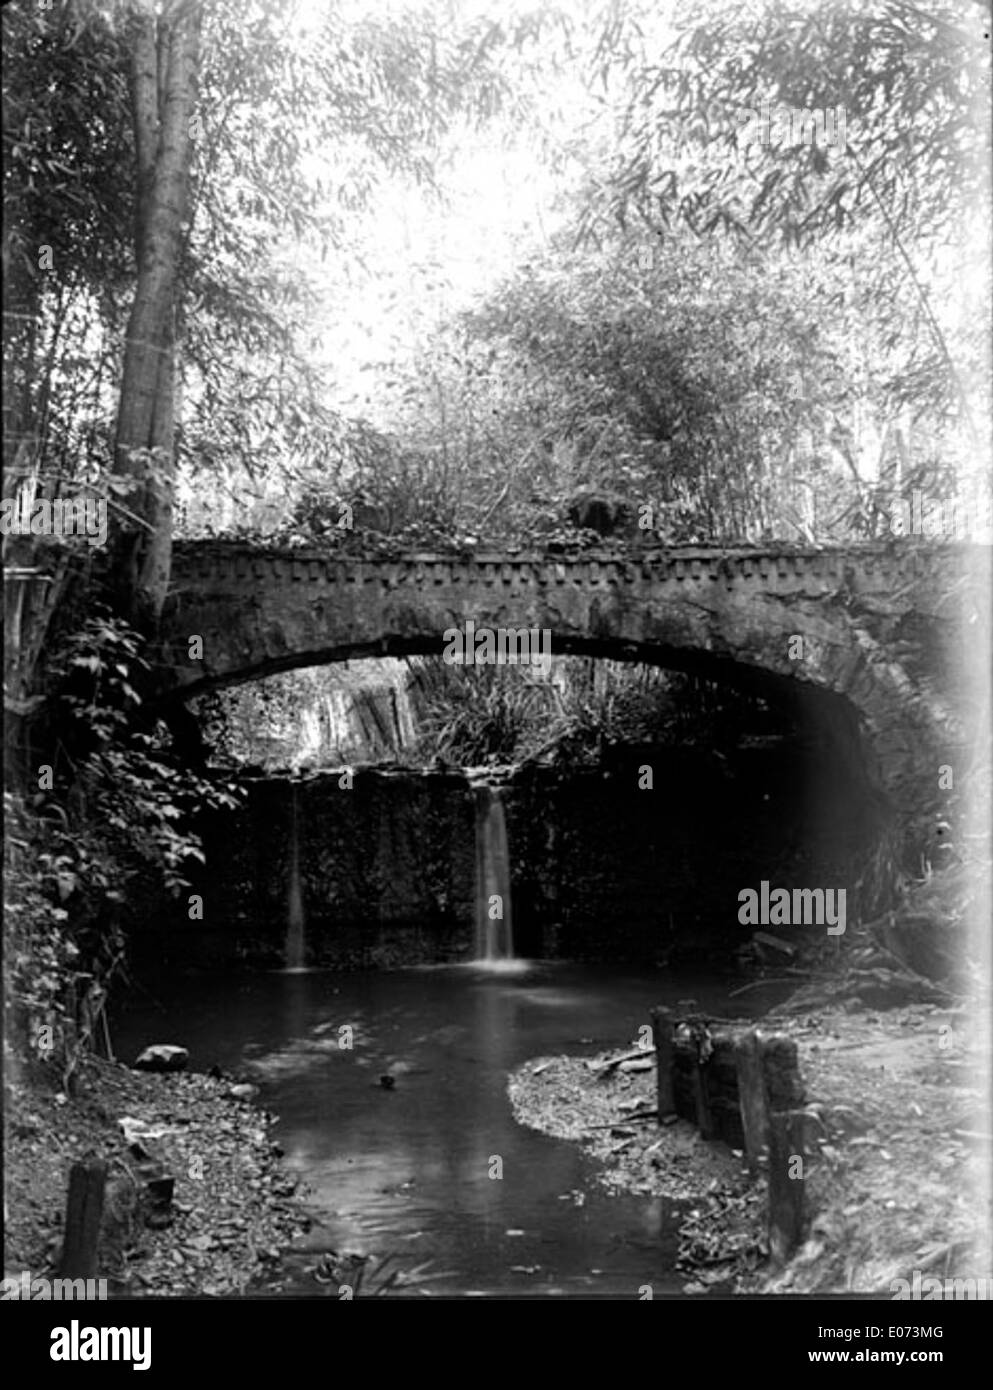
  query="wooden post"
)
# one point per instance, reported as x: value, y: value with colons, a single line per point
x: 662, y: 1033
x: 787, y: 1176
x: 752, y: 1097
x: 84, y: 1212
x: 780, y: 1071
x: 701, y: 1098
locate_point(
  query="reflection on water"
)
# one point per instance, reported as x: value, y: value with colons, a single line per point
x: 407, y: 1169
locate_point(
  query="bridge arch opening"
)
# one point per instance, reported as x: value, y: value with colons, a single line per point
x: 638, y: 851
x: 819, y: 714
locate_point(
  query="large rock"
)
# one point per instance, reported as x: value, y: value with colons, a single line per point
x: 244, y: 1090
x: 162, y: 1057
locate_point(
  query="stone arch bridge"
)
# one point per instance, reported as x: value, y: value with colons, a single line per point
x: 885, y: 627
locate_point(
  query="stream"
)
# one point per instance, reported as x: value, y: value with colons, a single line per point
x: 407, y: 1168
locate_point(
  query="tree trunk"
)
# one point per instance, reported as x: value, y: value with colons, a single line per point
x: 164, y: 61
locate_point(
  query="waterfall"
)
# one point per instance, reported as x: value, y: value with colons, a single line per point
x: 294, y: 902
x: 494, y: 927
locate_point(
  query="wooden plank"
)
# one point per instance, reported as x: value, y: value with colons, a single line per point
x: 84, y: 1213
x: 662, y: 1033
x: 701, y: 1101
x: 752, y: 1098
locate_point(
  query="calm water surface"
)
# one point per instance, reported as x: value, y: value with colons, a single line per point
x: 407, y: 1170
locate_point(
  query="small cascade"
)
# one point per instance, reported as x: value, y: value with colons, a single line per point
x: 295, y: 946
x: 494, y: 924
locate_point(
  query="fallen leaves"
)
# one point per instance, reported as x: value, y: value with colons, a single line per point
x: 233, y: 1205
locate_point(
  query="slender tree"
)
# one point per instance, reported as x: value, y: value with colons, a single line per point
x: 164, y: 56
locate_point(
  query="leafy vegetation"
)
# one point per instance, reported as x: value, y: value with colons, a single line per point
x: 107, y: 831
x: 421, y: 712
x: 768, y: 339
x: 173, y: 176
x: 693, y: 338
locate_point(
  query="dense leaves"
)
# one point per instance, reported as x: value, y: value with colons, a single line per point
x: 108, y: 830
x: 719, y: 133
x: 912, y: 84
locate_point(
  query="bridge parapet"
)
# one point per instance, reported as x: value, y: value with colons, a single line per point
x: 872, y: 568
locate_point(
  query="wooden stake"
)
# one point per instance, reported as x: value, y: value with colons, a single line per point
x: 787, y: 1175
x: 662, y: 1033
x: 781, y: 1072
x: 84, y: 1212
x: 752, y: 1098
x: 701, y: 1098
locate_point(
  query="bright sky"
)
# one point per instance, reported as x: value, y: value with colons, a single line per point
x: 428, y: 258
